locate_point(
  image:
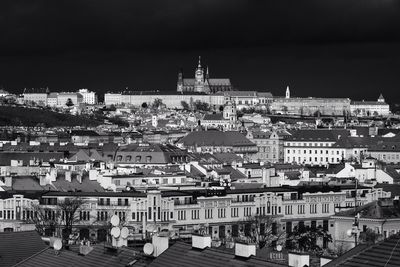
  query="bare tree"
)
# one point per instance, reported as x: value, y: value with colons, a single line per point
x: 68, y: 209
x: 44, y: 218
x: 264, y: 230
x: 59, y: 219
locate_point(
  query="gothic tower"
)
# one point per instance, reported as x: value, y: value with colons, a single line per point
x: 180, y: 81
x: 287, y: 92
x: 199, y: 78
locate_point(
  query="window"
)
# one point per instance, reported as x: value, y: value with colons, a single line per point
x: 138, y: 158
x: 195, y: 214
x: 221, y: 213
x: 325, y: 208
x: 209, y: 213
x: 235, y: 212
x: 300, y: 209
x: 117, y: 182
x: 181, y: 215
x: 313, y: 208
x: 148, y: 159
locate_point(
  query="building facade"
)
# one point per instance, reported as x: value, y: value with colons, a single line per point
x: 88, y: 97
x: 310, y: 106
x: 269, y: 144
x: 370, y: 108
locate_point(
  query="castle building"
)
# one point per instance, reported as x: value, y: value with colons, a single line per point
x: 370, y: 108
x: 202, y: 83
x: 310, y: 105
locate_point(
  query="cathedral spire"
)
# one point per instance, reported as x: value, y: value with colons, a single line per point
x: 207, y: 74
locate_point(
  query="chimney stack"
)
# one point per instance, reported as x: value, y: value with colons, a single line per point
x: 297, y: 259
x: 68, y: 176
x: 8, y: 181
x: 79, y: 178
x: 201, y: 241
x: 244, y: 249
x: 160, y: 244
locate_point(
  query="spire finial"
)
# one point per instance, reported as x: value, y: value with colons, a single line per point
x: 199, y: 62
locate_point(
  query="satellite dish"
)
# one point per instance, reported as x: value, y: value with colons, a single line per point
x: 124, y: 232
x: 148, y: 249
x: 349, y: 233
x: 115, y: 220
x: 57, y: 245
x: 279, y: 248
x: 115, y: 232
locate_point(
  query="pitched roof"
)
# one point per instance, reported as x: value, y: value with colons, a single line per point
x: 86, y: 186
x: 219, y: 82
x: 182, y: 254
x: 385, y: 253
x: 6, y: 157
x: 98, y: 257
x: 213, y: 117
x: 17, y: 246
x: 27, y: 183
x: 215, y: 138
x: 318, y: 135
x: 228, y: 157
x: 374, y: 210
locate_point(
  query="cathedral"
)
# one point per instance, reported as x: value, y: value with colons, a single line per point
x: 202, y: 83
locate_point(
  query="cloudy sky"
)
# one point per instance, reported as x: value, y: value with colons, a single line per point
x: 334, y: 48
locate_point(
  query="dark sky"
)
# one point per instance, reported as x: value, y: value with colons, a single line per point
x: 333, y: 48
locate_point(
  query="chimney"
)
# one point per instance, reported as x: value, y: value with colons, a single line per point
x: 160, y: 244
x: 266, y: 176
x: 325, y: 260
x: 68, y: 176
x: 42, y: 180
x: 8, y: 181
x: 244, y: 249
x: 297, y: 259
x: 201, y: 241
x: 79, y: 178
x: 92, y: 175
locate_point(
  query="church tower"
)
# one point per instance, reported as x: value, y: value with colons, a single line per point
x: 381, y: 99
x: 180, y: 81
x: 199, y: 78
x: 287, y: 92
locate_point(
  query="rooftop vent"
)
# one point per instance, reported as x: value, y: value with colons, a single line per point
x: 245, y: 249
x: 201, y: 241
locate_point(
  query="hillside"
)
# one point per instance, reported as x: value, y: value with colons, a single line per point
x: 20, y: 116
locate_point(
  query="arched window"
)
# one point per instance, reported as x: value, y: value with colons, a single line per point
x: 148, y: 159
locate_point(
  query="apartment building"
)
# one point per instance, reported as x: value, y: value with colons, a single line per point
x: 314, y: 147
